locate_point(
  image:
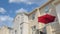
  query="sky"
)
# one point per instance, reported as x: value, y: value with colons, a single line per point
x: 9, y: 9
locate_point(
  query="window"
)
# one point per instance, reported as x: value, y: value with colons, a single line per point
x: 17, y: 18
x: 37, y: 31
x: 15, y: 31
x: 33, y: 29
x: 43, y: 31
x: 46, y: 9
x: 21, y: 29
x: 33, y: 16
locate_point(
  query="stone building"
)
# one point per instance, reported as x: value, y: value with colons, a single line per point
x: 6, y: 30
x: 27, y: 23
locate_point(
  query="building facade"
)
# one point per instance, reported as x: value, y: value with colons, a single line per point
x: 27, y: 23
x: 6, y: 30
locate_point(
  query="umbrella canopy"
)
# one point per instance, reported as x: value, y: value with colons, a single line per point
x: 46, y: 19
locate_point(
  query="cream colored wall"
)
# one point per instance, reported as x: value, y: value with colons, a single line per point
x: 52, y: 11
x: 21, y: 20
x: 25, y: 28
x: 35, y: 21
x: 58, y: 11
x: 53, y: 28
x: 4, y: 30
x: 48, y: 28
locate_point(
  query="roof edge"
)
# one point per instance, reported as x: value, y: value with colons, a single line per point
x: 41, y: 6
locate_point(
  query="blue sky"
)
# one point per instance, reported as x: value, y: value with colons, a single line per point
x: 9, y: 9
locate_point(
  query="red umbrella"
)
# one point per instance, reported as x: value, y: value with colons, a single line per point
x: 46, y: 19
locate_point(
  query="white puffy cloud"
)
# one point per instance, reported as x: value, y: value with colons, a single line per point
x: 28, y: 1
x: 18, y: 1
x: 6, y: 20
x: 2, y: 10
x: 21, y: 10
